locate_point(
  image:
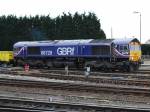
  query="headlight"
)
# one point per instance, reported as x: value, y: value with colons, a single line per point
x: 132, y: 57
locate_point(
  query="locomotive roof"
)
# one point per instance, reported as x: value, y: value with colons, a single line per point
x: 84, y: 42
x: 33, y: 43
x: 125, y: 40
x: 73, y: 42
x: 102, y: 41
x: 65, y: 42
x: 77, y: 42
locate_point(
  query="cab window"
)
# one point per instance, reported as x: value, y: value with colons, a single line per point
x: 135, y: 47
x: 17, y: 49
x: 123, y: 48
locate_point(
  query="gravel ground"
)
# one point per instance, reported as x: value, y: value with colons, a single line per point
x: 145, y: 65
x: 89, y: 98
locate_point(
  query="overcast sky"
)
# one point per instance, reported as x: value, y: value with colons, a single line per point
x: 113, y: 14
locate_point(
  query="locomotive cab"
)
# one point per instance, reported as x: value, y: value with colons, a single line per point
x: 128, y: 53
x: 135, y: 52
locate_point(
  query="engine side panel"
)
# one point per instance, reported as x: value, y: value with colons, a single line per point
x: 64, y: 51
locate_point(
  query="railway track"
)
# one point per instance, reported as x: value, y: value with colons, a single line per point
x: 58, y: 80
x: 17, y: 109
x: 140, y: 72
x: 107, y: 81
x: 24, y: 105
x: 46, y: 73
x: 74, y: 85
x: 103, y: 78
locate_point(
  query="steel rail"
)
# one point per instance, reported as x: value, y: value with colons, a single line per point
x: 10, y: 109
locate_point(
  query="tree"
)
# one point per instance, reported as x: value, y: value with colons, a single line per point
x: 66, y: 26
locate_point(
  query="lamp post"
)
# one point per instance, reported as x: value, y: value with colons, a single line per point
x: 136, y: 12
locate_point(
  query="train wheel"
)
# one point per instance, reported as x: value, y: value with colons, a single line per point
x: 49, y: 64
x: 136, y: 67
x: 131, y: 68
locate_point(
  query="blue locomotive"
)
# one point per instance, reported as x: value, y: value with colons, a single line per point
x: 122, y: 54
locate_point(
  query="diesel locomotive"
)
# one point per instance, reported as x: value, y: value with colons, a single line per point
x: 120, y: 54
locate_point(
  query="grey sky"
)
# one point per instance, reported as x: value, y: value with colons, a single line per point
x: 115, y: 14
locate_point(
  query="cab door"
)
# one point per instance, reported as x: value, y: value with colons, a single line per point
x: 24, y: 51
